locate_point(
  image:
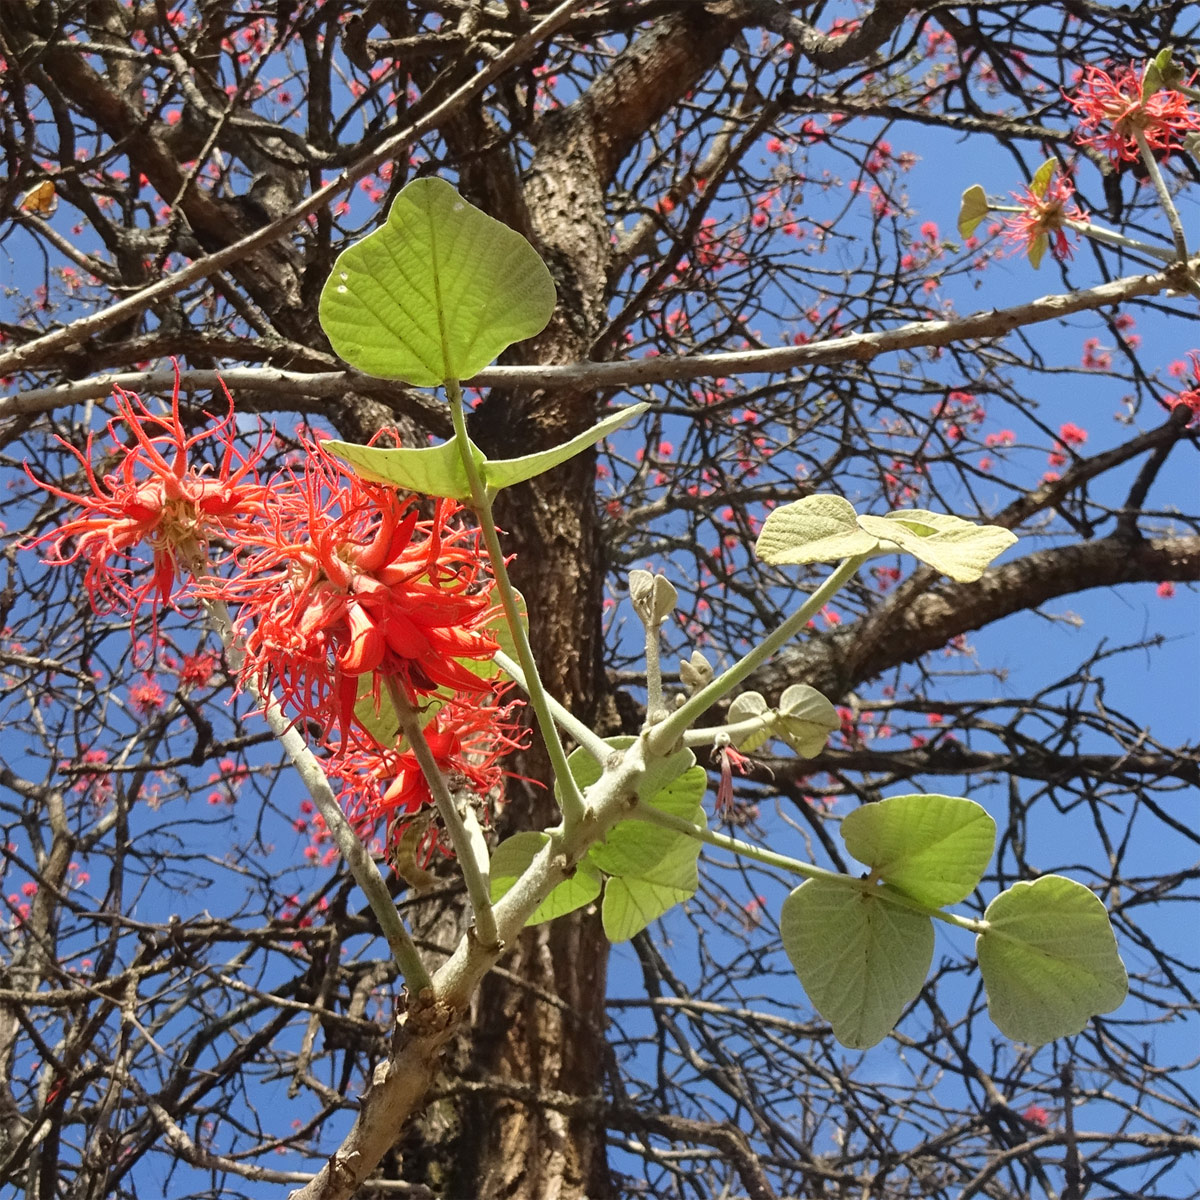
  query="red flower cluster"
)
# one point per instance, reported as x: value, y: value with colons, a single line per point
x: 156, y: 497
x: 344, y: 592
x: 1113, y: 111
x: 345, y: 585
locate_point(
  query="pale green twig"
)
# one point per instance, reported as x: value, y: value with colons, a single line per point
x: 571, y: 799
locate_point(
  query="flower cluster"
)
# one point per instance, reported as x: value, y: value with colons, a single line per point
x: 1040, y: 224
x: 347, y: 596
x: 1114, y: 112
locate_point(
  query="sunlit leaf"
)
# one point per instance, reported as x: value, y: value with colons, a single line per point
x: 815, y: 529
x: 632, y: 902
x: 504, y: 472
x: 745, y: 706
x: 435, y: 293
x: 1042, y: 176
x: 806, y: 719
x: 1049, y: 960
x: 958, y: 548
x: 429, y: 470
x: 933, y: 848
x: 861, y: 959
x: 972, y: 210
x: 511, y: 859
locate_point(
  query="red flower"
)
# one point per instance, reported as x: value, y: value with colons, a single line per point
x: 1041, y: 223
x: 153, y: 496
x: 147, y: 697
x: 1113, y: 110
x: 347, y: 584
x: 468, y: 739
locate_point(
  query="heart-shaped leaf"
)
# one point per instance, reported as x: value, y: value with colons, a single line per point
x: 958, y: 548
x: 436, y: 293
x: 504, y: 472
x: 973, y: 209
x: 861, y: 959
x: 933, y: 848
x: 511, y: 859
x: 806, y: 719
x: 815, y: 529
x: 631, y: 902
x: 1049, y: 960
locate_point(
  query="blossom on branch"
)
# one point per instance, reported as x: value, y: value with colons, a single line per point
x: 1040, y: 224
x: 467, y: 737
x: 344, y: 584
x: 156, y: 496
x: 1113, y: 110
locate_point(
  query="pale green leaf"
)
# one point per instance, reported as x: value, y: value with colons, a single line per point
x: 632, y: 902
x: 745, y: 706
x: 1036, y: 250
x: 861, y: 959
x: 973, y: 209
x: 504, y: 472
x: 511, y: 859
x: 436, y: 293
x: 933, y: 848
x: 429, y: 470
x: 958, y: 548
x: 815, y: 529
x: 1049, y: 960
x: 806, y: 719
x: 1042, y: 176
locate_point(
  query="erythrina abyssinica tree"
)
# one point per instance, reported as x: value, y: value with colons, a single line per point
x: 549, y: 548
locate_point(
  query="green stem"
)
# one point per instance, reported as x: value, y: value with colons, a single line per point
x: 664, y: 736
x: 572, y: 799
x: 771, y: 858
x: 470, y: 851
x: 357, y: 857
x: 591, y: 741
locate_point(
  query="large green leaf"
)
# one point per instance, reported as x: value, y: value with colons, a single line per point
x: 933, y: 848
x: 429, y: 470
x: 958, y: 548
x: 1049, y: 960
x: 861, y: 959
x: 511, y: 859
x: 631, y: 902
x: 815, y: 529
x: 436, y: 293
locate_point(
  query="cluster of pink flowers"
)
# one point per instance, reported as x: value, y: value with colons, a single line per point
x: 1041, y: 221
x: 1114, y: 112
x: 344, y: 592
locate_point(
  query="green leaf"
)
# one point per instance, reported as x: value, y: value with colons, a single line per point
x: 1049, y: 960
x: 436, y: 293
x: 806, y: 719
x: 636, y: 848
x: 958, y: 548
x: 861, y: 959
x: 1160, y: 73
x: 504, y: 472
x: 511, y: 859
x: 745, y: 706
x: 632, y: 902
x: 1036, y: 250
x: 933, y: 848
x: 973, y: 209
x: 1042, y: 176
x: 660, y: 774
x: 815, y: 529
x: 429, y: 470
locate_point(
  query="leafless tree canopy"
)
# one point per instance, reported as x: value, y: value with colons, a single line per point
x: 192, y: 994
